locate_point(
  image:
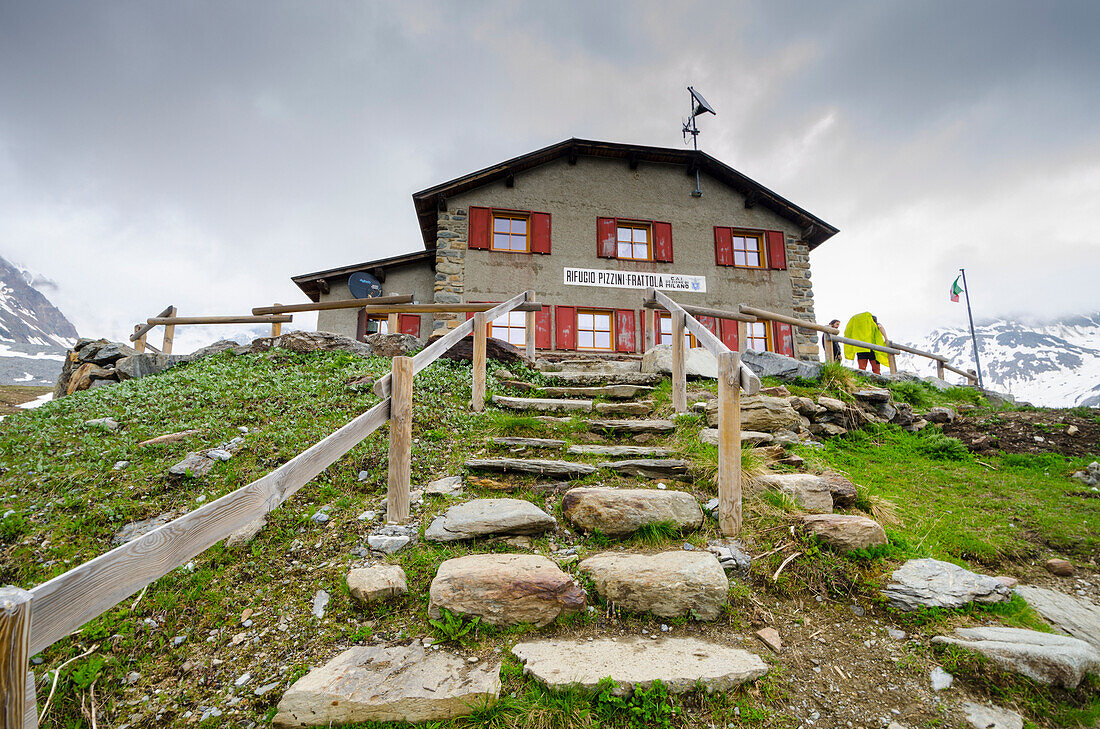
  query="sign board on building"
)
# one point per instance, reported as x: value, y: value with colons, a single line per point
x: 634, y: 280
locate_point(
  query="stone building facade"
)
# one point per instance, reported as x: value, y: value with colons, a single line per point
x: 555, y: 221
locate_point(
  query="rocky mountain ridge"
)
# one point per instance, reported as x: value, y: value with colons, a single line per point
x: 34, y: 334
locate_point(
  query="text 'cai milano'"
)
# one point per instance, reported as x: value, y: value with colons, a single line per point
x: 633, y: 280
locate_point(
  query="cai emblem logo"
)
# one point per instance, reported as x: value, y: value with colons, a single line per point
x: 695, y: 285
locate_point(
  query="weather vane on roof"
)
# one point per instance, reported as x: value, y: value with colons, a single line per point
x: 699, y: 106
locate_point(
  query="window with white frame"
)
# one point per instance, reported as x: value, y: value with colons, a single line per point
x: 511, y: 328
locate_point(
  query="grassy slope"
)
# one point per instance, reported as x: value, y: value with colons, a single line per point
x: 68, y: 502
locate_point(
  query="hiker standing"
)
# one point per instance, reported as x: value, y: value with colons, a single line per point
x: 864, y: 327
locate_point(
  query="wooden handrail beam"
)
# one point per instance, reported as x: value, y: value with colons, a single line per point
x: 394, y: 309
x: 145, y: 328
x: 801, y: 323
x: 330, y: 305
x: 178, y: 320
x: 866, y: 345
x: 921, y: 352
x: 968, y: 375
x: 70, y: 600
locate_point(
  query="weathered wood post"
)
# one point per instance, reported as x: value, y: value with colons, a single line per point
x: 139, y: 343
x: 830, y: 356
x: 477, y: 397
x: 742, y: 336
x: 972, y: 377
x: 169, y: 331
x: 679, y: 368
x: 391, y: 324
x: 529, y: 336
x: 939, y: 369
x: 729, y: 443
x: 650, y: 331
x: 276, y: 326
x: 400, y: 461
x: 16, y: 683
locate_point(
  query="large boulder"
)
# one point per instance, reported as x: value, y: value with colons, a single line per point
x: 495, y: 349
x: 809, y: 492
x: 489, y: 517
x: 392, y: 345
x: 667, y: 584
x: 846, y: 531
x: 104, y: 353
x: 394, y: 683
x: 681, y: 664
x: 843, y: 490
x: 1077, y: 617
x: 84, y: 375
x: 145, y: 364
x: 770, y: 364
x: 306, y: 342
x: 698, y: 362
x: 377, y: 583
x: 504, y: 589
x: 761, y: 413
x: 1044, y: 657
x: 618, y: 512
x: 931, y: 583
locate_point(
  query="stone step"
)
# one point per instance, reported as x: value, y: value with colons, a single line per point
x: 637, y: 408
x: 616, y: 451
x: 633, y: 426
x: 748, y: 437
x: 504, y: 589
x: 667, y: 584
x: 519, y: 385
x: 389, y: 683
x: 1073, y: 616
x: 545, y: 443
x: 489, y: 517
x: 532, y: 465
x: 651, y: 468
x: 608, y: 378
x: 613, y: 392
x: 591, y: 364
x: 620, y: 512
x: 545, y: 405
x: 681, y: 664
x: 808, y: 491
x: 1044, y: 657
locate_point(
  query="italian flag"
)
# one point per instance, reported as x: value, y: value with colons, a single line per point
x: 956, y: 290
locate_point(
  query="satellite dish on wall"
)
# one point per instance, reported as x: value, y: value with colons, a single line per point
x: 363, y: 285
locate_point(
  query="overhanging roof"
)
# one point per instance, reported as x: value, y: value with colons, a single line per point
x: 313, y: 284
x: 814, y: 230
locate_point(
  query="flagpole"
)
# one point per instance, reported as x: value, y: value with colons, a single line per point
x: 973, y: 337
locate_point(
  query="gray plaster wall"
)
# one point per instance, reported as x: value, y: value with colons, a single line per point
x: 575, y: 195
x: 414, y: 278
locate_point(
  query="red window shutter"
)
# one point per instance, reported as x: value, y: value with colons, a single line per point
x: 607, y: 237
x: 540, y: 233
x: 662, y: 242
x: 723, y: 246
x: 710, y: 323
x: 542, y: 328
x: 409, y: 324
x: 777, y: 250
x: 728, y: 329
x: 624, y: 330
x: 566, y: 327
x: 783, y: 342
x: 478, y: 235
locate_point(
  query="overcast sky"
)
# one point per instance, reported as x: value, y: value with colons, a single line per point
x: 201, y: 153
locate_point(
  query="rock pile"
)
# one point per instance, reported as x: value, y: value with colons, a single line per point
x: 1090, y: 476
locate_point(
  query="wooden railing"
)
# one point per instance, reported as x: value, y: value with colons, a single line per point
x: 170, y: 321
x: 32, y: 620
x: 733, y: 377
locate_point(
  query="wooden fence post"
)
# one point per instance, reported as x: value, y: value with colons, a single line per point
x: 529, y: 336
x: 276, y: 326
x: 400, y: 461
x: 830, y: 356
x: 391, y: 324
x: 17, y: 697
x: 679, y: 368
x: 939, y: 368
x: 477, y: 398
x: 729, y: 443
x: 742, y: 337
x: 139, y: 343
x: 649, y: 329
x: 169, y: 332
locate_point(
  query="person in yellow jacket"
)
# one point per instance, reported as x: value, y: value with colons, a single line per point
x: 864, y: 327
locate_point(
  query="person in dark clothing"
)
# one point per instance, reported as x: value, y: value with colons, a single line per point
x: 826, y: 340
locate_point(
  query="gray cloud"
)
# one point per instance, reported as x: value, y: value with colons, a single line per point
x: 201, y: 153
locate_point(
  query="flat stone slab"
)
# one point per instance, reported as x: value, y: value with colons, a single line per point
x: 609, y: 378
x: 533, y: 465
x: 544, y: 443
x: 931, y: 583
x: 748, y: 437
x: 761, y: 413
x: 504, y: 589
x: 397, y: 683
x: 1043, y: 657
x: 633, y: 426
x: 634, y: 663
x: 846, y: 531
x: 809, y: 491
x: 617, y: 451
x: 637, y: 408
x: 1073, y: 616
x: 618, y: 512
x: 377, y: 583
x: 614, y: 392
x: 489, y: 517
x: 650, y: 467
x: 982, y: 716
x: 545, y: 405
x: 667, y: 584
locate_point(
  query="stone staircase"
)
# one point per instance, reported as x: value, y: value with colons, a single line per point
x: 611, y: 495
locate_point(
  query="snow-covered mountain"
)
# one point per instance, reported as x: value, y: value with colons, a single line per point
x: 1055, y: 363
x: 33, y: 333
